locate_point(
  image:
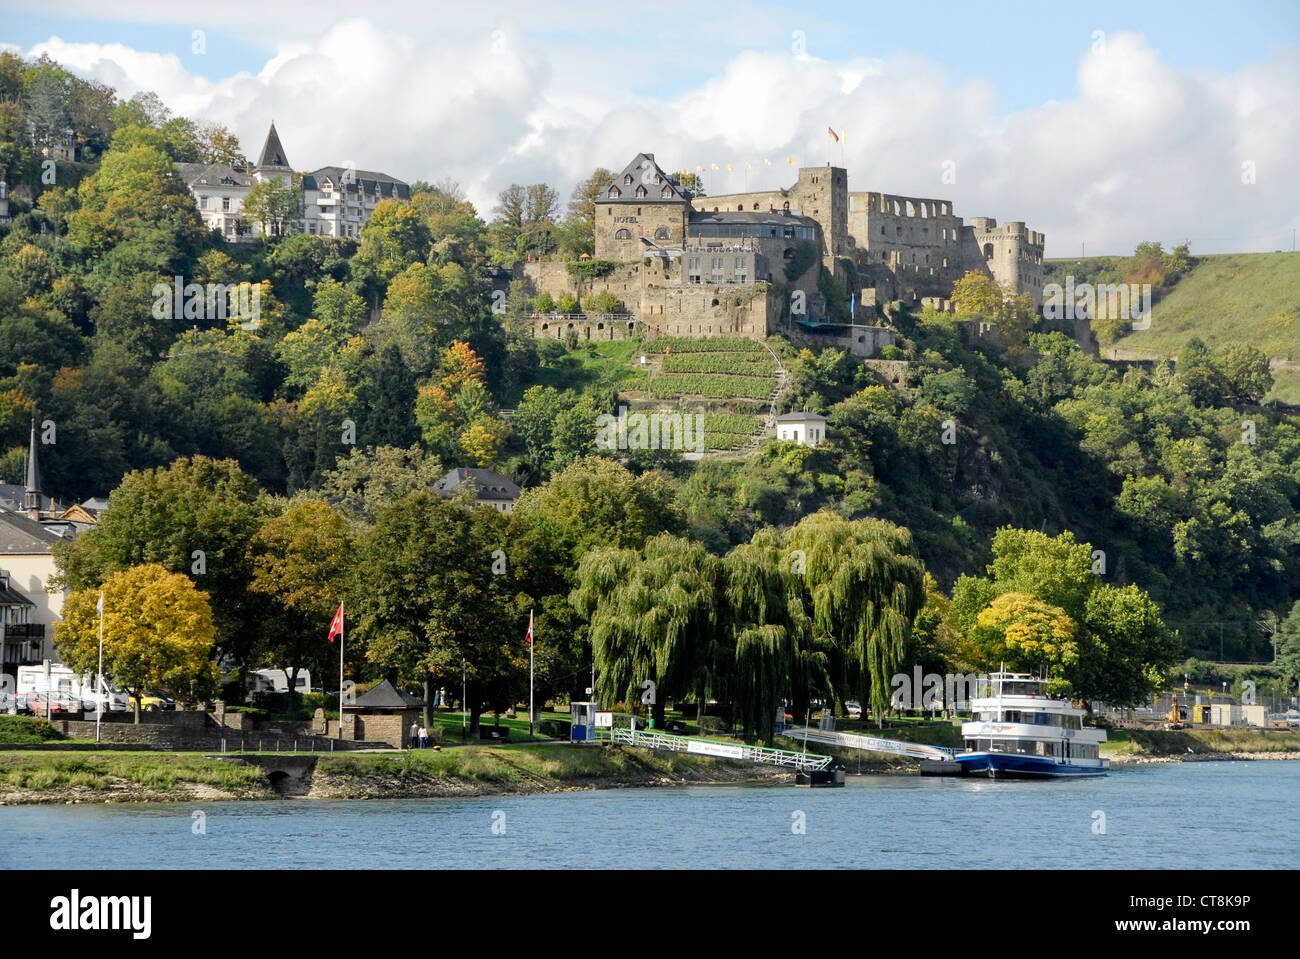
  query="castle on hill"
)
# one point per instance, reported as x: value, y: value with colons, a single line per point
x: 693, y: 266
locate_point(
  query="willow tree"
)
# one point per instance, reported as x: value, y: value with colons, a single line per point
x: 654, y: 616
x: 774, y: 653
x: 865, y: 585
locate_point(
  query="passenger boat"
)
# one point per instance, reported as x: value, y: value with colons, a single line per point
x: 1015, y: 730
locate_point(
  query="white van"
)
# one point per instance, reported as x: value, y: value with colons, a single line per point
x: 277, y: 681
x: 62, y: 685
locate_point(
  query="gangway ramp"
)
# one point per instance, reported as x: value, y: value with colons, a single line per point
x: 765, y: 755
x: 894, y: 747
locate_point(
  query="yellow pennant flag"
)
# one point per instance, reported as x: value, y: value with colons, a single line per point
x: 699, y: 169
x: 746, y: 164
x: 715, y: 166
x: 790, y: 160
x: 730, y: 168
x: 767, y: 161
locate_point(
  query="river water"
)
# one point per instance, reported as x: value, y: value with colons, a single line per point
x: 1174, y: 815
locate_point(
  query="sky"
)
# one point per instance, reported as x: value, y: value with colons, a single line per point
x: 1101, y: 125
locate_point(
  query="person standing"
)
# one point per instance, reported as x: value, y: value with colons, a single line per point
x: 424, y: 737
x: 415, y: 733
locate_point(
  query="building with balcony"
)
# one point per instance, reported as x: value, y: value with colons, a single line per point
x: 336, y: 201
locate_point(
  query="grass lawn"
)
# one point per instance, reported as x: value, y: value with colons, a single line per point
x: 450, y: 724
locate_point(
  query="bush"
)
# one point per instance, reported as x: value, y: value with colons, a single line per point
x: 591, y: 269
x: 555, y: 728
x: 890, y: 352
x: 602, y: 303
x: 544, y: 304
x: 27, y: 729
x: 567, y: 304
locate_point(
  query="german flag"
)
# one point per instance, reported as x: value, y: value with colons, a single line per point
x: 833, y: 135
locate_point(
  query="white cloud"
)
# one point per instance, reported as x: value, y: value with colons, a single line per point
x: 1143, y: 150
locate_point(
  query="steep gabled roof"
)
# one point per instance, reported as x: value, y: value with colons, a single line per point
x: 387, y: 696
x: 644, y: 181
x: 272, y: 155
x: 21, y: 536
x: 489, y: 484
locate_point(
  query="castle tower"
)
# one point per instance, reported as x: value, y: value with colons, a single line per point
x: 4, y: 203
x: 643, y: 208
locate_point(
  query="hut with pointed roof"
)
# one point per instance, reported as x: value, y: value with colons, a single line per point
x: 382, y: 716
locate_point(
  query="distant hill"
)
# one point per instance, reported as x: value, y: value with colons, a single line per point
x: 1225, y: 299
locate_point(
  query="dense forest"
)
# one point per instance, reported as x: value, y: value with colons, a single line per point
x: 298, y: 455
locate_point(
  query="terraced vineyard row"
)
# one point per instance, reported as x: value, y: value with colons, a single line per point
x: 714, y: 385
x: 712, y: 344
x: 744, y: 364
x: 729, y: 431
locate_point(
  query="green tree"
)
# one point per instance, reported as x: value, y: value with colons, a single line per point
x: 301, y: 562
x: 196, y: 517
x: 429, y: 600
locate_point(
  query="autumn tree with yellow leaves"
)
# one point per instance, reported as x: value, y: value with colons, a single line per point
x: 158, y: 632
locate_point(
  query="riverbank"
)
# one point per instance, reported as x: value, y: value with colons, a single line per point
x: 1200, y: 745
x: 51, y: 777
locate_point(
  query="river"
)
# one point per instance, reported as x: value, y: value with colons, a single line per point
x: 1172, y: 815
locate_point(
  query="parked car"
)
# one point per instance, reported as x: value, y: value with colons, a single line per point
x: 854, y: 709
x: 152, y: 702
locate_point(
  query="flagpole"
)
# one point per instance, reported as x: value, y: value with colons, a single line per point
x: 99, y: 705
x: 532, y: 643
x: 340, y: 669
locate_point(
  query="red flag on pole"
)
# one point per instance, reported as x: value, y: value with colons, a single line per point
x: 336, y: 624
x: 529, y: 637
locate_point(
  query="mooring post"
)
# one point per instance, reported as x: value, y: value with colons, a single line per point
x: 295, y: 744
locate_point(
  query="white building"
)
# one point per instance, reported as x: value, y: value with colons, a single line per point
x: 337, y: 201
x: 806, y: 429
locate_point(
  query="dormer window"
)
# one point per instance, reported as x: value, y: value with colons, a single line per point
x: 640, y: 191
x: 659, y: 178
x: 666, y: 192
x: 615, y: 192
x: 627, y: 179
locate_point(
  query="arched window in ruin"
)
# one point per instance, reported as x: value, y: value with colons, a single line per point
x: 988, y: 251
x: 786, y: 206
x: 788, y: 254
x: 662, y: 233
x: 740, y: 208
x: 755, y: 206
x: 714, y: 303
x: 623, y: 235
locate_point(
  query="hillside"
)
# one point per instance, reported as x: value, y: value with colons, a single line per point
x: 1249, y: 298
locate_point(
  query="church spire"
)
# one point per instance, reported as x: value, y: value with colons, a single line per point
x: 32, y: 497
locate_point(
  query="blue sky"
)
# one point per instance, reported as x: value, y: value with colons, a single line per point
x: 1098, y: 141
x: 1028, y: 50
